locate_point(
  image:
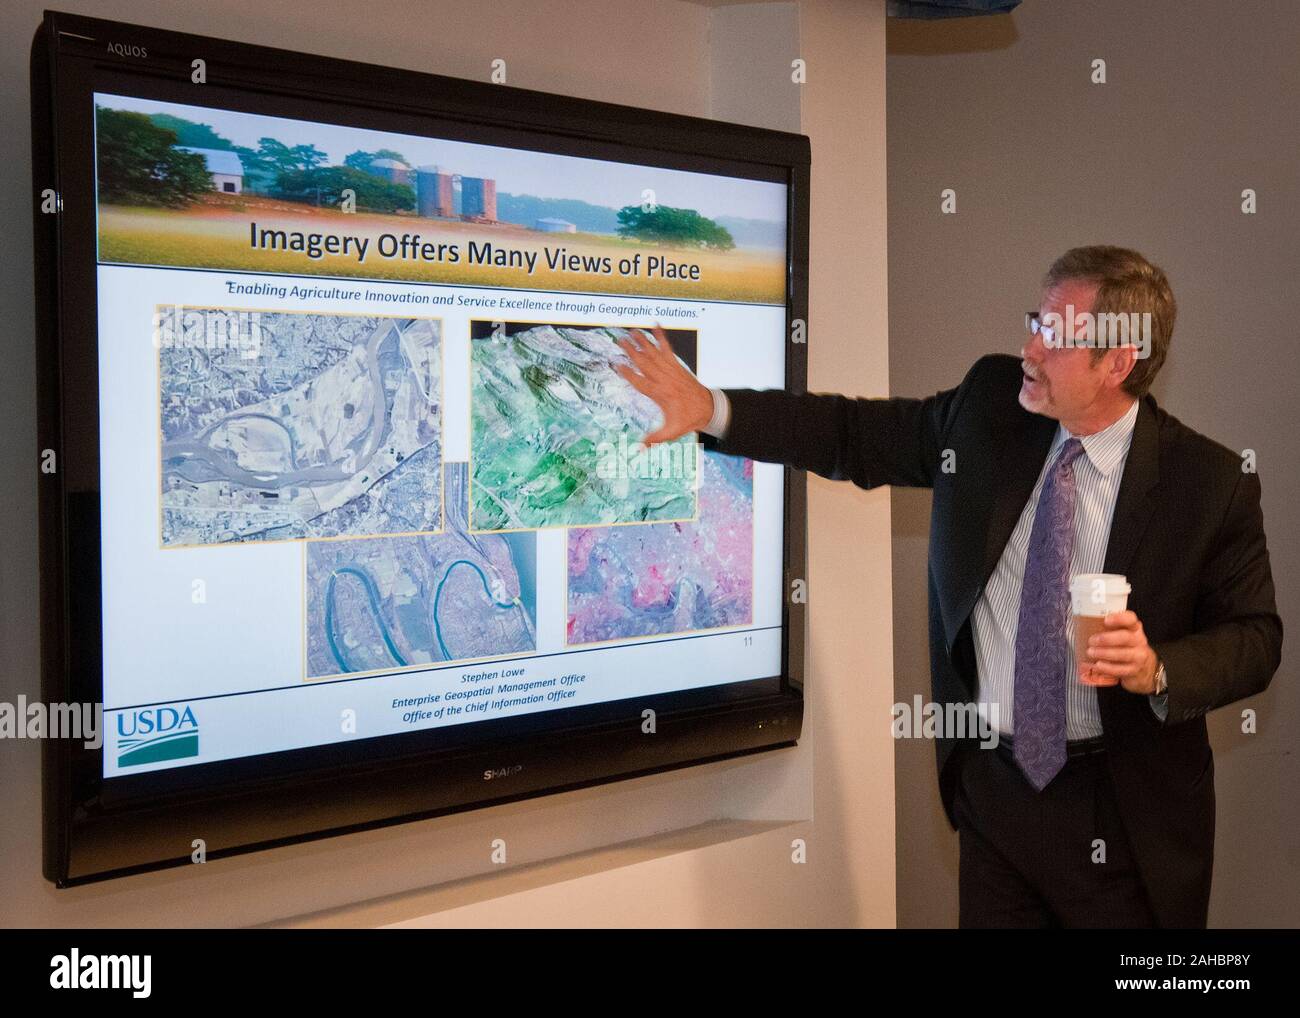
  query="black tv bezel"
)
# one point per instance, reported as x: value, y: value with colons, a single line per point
x: 96, y: 829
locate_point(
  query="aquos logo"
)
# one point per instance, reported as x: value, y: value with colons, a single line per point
x: 151, y: 734
x: 121, y: 49
x: 502, y: 772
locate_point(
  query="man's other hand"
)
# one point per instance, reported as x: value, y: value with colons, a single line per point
x: 686, y: 405
x: 1122, y: 651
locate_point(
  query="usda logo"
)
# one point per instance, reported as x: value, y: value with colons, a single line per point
x: 151, y: 734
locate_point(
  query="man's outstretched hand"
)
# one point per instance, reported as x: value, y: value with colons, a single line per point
x: 686, y: 404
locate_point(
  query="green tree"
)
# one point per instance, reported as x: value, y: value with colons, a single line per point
x: 191, y: 132
x: 282, y: 158
x: 138, y: 162
x: 259, y: 173
x: 667, y: 225
x: 323, y: 185
x: 363, y: 161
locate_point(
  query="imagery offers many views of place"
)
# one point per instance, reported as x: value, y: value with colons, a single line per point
x: 208, y: 188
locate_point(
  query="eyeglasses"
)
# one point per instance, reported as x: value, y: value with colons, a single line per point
x: 1035, y: 327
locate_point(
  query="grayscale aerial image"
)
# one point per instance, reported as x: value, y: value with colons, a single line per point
x: 395, y: 602
x: 328, y: 426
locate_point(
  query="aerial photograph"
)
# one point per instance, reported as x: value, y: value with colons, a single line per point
x: 387, y: 603
x: 632, y: 582
x: 332, y: 429
x: 555, y: 435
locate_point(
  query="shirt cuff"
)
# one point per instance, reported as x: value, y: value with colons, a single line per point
x: 1159, y: 705
x: 717, y: 426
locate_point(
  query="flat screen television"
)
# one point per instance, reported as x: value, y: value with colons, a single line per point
x: 344, y: 516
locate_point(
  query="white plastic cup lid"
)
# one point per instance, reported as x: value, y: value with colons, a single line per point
x: 1099, y: 593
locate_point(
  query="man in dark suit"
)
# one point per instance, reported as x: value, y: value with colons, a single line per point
x: 1097, y: 806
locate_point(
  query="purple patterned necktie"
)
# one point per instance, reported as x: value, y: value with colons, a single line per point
x: 1038, y: 744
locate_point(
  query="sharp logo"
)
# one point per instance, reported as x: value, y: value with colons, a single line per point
x: 502, y: 772
x: 121, y: 49
x: 150, y: 734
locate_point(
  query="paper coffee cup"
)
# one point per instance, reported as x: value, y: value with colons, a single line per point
x: 1092, y: 597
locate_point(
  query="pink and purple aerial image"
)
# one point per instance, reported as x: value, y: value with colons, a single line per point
x: 634, y: 581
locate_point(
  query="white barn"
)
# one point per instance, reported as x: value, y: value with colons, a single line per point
x: 226, y: 170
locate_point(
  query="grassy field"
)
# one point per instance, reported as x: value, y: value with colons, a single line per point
x: 215, y: 234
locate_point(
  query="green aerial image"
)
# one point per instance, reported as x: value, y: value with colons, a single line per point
x: 555, y: 434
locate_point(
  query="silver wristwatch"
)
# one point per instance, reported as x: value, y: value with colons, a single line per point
x: 1162, y: 681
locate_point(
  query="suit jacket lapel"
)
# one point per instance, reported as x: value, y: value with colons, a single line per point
x: 1019, y: 464
x: 1133, y: 509
x: 1022, y: 449
x: 1134, y: 502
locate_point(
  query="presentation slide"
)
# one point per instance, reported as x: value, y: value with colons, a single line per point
x: 367, y: 464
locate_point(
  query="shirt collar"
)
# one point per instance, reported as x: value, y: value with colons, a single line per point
x: 1105, y: 449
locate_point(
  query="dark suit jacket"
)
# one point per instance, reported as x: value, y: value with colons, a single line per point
x: 1187, y: 532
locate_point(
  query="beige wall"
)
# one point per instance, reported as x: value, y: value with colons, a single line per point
x: 729, y: 861
x: 1200, y: 102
